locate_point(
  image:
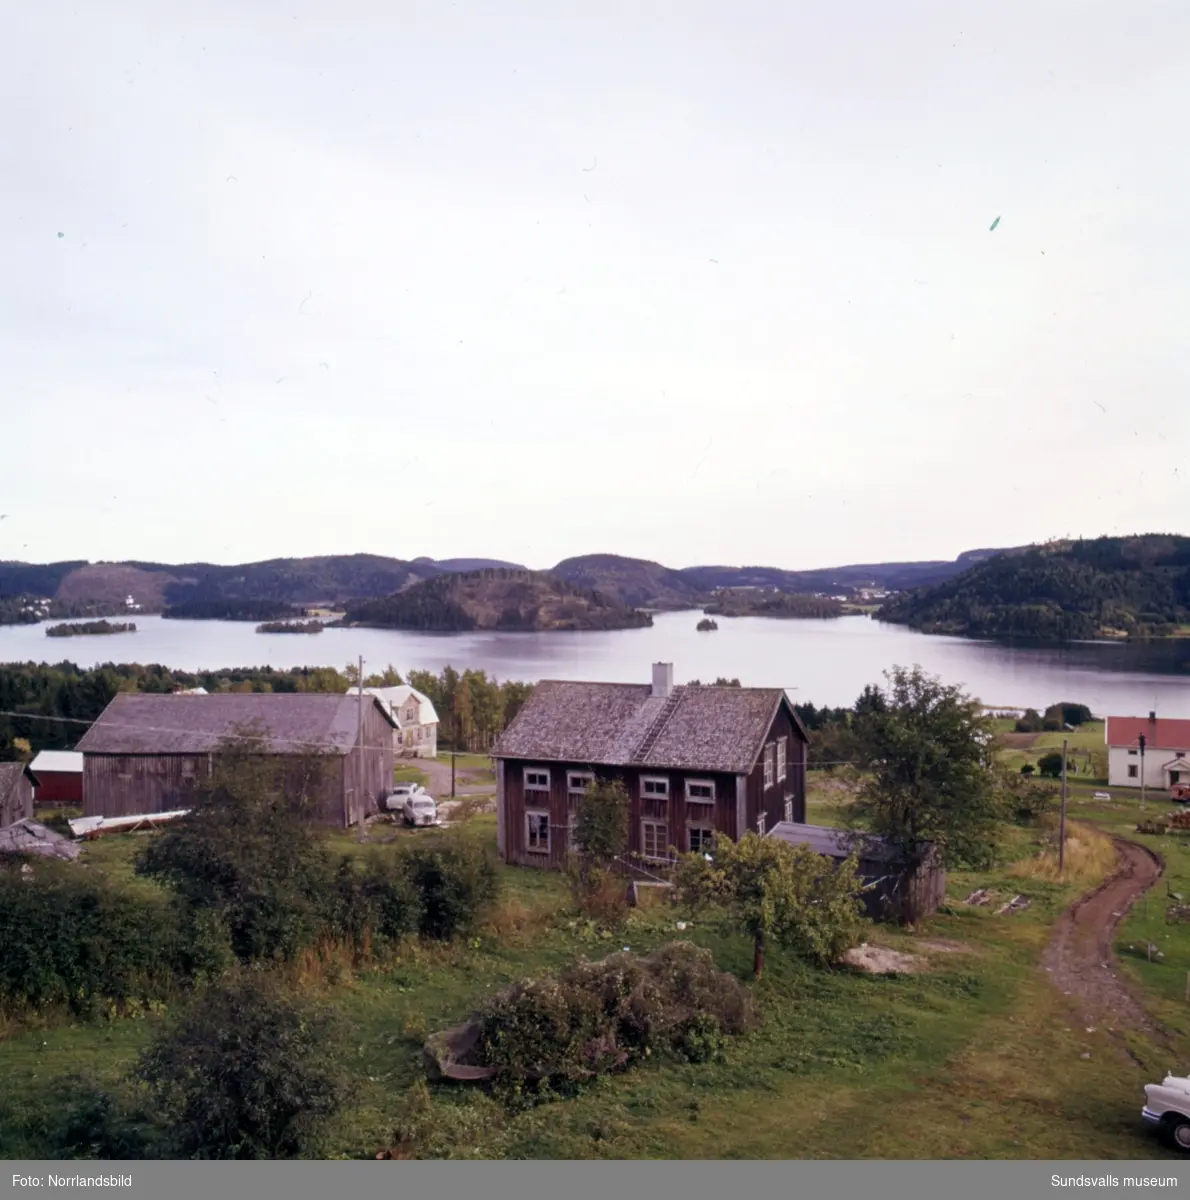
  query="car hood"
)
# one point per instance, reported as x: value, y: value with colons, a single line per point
x: 1174, y: 1083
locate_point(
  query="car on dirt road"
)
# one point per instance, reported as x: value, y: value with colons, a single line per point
x: 1167, y: 1106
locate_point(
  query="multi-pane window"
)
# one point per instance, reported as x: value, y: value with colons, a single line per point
x: 537, y: 832
x: 1133, y: 771
x: 789, y: 808
x: 768, y: 765
x: 654, y: 840
x: 781, y: 770
x: 577, y: 783
x: 701, y: 838
x: 698, y: 791
x: 760, y: 823
x: 537, y: 779
x: 654, y: 786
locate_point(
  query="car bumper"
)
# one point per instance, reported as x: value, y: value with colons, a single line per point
x: 1153, y: 1118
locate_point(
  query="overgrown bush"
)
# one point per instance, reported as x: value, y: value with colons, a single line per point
x: 94, y: 1121
x: 245, y: 854
x: 374, y: 904
x: 78, y: 939
x: 596, y: 1018
x: 1030, y: 722
x: 455, y: 880
x: 1026, y: 800
x: 1050, y: 765
x: 804, y: 901
x: 247, y: 1071
x: 600, y: 836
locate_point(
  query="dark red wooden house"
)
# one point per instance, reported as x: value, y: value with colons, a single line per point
x: 694, y: 760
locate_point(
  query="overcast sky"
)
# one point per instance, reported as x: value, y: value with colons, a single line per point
x: 697, y: 282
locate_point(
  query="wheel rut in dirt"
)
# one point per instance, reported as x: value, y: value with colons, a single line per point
x: 1081, y: 959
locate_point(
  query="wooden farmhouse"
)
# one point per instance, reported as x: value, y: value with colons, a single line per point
x: 694, y: 760
x: 146, y: 751
x: 16, y: 793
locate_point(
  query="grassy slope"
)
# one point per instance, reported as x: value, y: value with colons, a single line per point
x: 974, y: 1059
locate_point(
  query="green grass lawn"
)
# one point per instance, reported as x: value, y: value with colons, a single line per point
x: 974, y: 1057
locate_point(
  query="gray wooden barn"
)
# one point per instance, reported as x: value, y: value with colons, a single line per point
x: 146, y: 751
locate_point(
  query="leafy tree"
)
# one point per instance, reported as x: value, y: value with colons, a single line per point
x: 778, y: 894
x: 927, y: 750
x: 600, y: 837
x: 1030, y: 722
x: 1068, y: 714
x: 456, y: 880
x: 246, y: 854
x: 1050, y: 765
x: 246, y: 1072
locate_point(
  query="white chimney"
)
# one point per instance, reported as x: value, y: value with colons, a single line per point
x: 663, y: 680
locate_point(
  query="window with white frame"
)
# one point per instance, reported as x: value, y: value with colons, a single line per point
x: 537, y: 832
x: 537, y: 779
x: 654, y: 787
x: 760, y: 822
x: 654, y: 840
x: 1133, y: 752
x: 700, y: 791
x: 701, y: 838
x: 578, y: 782
x: 789, y: 808
x: 1133, y: 770
x: 768, y: 765
x: 781, y: 769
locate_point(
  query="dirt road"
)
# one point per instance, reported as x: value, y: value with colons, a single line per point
x: 1080, y: 958
x: 438, y: 779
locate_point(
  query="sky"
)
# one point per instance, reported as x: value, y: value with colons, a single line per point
x: 687, y: 281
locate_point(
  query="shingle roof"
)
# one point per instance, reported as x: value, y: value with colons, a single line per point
x: 290, y: 723
x: 622, y: 724
x: 1166, y: 733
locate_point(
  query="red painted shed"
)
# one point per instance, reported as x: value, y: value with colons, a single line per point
x: 58, y: 777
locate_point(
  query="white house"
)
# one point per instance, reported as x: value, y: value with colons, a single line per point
x: 416, y: 734
x: 1166, y: 758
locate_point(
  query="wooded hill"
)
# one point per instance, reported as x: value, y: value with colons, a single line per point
x: 495, y: 599
x: 81, y: 589
x: 1104, y: 587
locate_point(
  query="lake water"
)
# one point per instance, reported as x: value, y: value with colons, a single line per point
x: 826, y: 662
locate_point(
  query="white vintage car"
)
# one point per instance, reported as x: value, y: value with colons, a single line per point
x: 1167, y: 1106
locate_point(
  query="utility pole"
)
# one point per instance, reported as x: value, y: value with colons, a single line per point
x: 363, y: 763
x: 454, y: 749
x: 1062, y: 819
x: 1141, y: 740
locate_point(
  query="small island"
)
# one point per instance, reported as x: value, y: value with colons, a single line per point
x: 706, y: 625
x: 291, y: 627
x: 85, y: 628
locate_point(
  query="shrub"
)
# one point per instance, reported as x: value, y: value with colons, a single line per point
x: 78, y: 939
x: 456, y: 880
x: 1050, y: 765
x: 804, y: 901
x: 245, y: 854
x: 246, y: 1072
x: 378, y: 901
x: 600, y: 836
x: 97, y: 1122
x: 1026, y: 801
x: 1030, y: 722
x: 596, y: 1018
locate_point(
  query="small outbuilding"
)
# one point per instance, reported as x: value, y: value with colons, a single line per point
x: 16, y: 793
x: 896, y: 891
x: 57, y: 777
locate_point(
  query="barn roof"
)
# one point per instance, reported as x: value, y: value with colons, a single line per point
x: 620, y: 724
x: 287, y: 723
x: 62, y: 762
